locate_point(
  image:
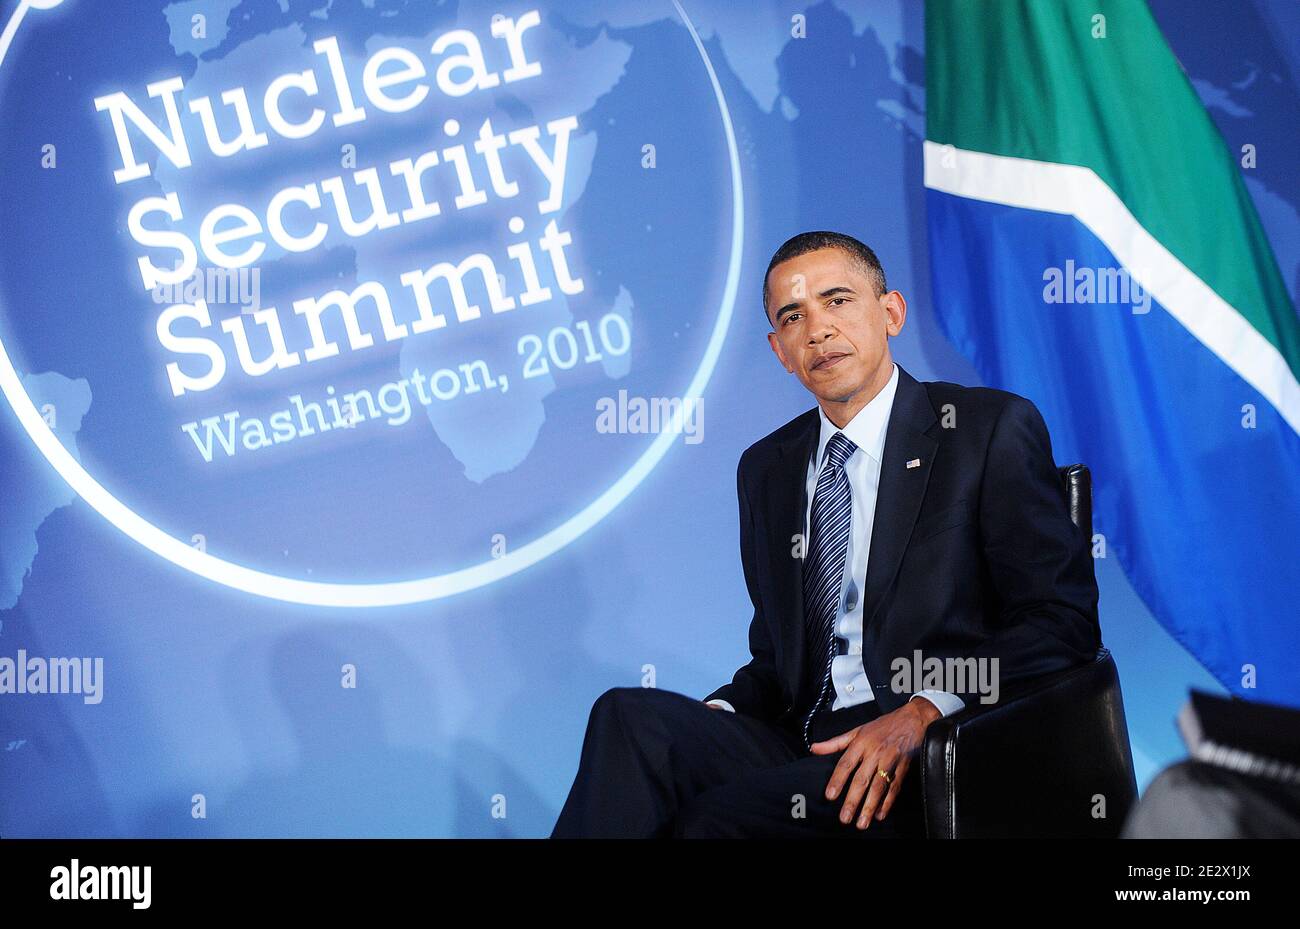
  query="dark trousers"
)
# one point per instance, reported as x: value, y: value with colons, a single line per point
x: 658, y: 764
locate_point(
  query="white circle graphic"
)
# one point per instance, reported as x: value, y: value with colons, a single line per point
x: 317, y: 593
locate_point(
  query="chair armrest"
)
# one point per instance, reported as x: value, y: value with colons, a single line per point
x: 1051, y: 758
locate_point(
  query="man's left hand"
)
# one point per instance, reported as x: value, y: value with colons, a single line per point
x: 887, y: 744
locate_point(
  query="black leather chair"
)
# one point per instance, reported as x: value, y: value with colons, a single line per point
x: 1046, y: 758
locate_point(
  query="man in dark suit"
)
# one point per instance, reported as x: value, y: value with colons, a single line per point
x: 899, y: 532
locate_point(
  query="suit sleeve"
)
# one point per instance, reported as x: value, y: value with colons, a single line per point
x: 1039, y: 562
x: 755, y: 689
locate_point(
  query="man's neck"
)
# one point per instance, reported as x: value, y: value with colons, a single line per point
x: 841, y: 412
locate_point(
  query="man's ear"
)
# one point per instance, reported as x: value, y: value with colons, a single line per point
x: 773, y: 341
x: 895, y: 312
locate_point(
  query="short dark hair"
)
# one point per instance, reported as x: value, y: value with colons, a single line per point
x: 806, y: 242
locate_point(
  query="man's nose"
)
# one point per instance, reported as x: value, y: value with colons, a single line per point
x: 820, y: 326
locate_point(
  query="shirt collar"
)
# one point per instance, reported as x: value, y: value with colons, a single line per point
x: 867, y: 429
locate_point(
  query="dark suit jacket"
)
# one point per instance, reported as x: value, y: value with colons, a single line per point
x: 972, y: 554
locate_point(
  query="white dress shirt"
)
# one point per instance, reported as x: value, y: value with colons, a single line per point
x: 867, y: 431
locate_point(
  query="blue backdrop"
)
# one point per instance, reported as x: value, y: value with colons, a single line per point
x: 537, y: 557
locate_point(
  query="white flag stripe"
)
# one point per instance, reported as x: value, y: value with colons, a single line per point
x: 1077, y: 191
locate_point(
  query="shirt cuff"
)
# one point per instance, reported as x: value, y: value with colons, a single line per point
x: 723, y: 704
x: 944, y: 702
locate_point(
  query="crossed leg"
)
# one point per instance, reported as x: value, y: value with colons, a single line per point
x: 647, y: 751
x: 656, y: 763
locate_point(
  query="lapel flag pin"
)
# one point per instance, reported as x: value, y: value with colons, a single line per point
x: 914, y: 463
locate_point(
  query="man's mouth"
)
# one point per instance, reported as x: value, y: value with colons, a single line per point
x: 830, y: 359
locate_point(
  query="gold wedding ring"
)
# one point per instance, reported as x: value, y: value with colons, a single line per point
x: 889, y: 778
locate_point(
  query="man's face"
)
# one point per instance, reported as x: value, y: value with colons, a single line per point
x: 831, y: 329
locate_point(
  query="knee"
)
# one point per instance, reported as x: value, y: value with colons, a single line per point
x: 614, y: 702
x: 641, y: 715
x: 625, y: 703
x: 620, y: 708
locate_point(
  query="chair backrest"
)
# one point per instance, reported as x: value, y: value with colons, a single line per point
x: 1077, y: 480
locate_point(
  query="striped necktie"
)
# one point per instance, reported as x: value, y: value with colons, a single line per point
x: 823, y: 575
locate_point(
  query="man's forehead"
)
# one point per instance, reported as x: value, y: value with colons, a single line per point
x: 829, y: 266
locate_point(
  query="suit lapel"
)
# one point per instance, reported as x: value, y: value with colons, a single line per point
x: 787, y: 489
x: 901, y: 490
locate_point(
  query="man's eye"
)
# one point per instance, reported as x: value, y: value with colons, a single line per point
x: 838, y: 300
